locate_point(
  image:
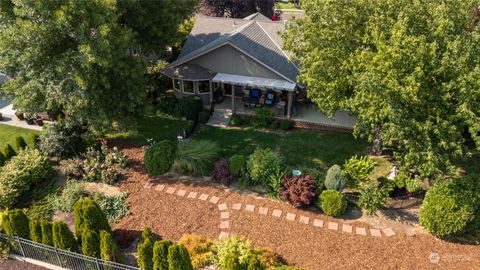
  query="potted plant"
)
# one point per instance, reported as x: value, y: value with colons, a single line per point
x: 39, y: 120
x: 20, y: 115
x: 29, y: 119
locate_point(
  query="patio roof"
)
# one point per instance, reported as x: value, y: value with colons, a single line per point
x: 254, y: 81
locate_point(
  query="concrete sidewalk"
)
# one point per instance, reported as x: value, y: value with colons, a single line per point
x: 9, y: 118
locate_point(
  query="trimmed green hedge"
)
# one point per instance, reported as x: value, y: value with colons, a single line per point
x: 332, y: 202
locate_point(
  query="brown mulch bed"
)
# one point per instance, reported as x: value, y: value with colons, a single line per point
x: 18, y: 265
x: 171, y: 216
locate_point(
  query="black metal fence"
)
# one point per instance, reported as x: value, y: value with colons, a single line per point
x: 65, y: 259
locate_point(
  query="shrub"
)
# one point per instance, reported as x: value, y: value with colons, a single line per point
x: 3, y: 159
x: 200, y: 249
x: 178, y: 258
x: 72, y: 167
x: 237, y: 164
x: 274, y: 182
x: 15, y: 223
x: 372, y: 198
x: 62, y: 237
x: 267, y: 257
x: 334, y: 179
x: 413, y: 184
x: 9, y: 152
x: 168, y: 104
x: 332, y: 203
x: 29, y: 167
x: 108, y: 249
x: 263, y: 163
x: 235, y: 247
x: 195, y: 156
x: 236, y: 120
x: 286, y: 267
x: 160, y: 254
x: 203, y: 117
x: 274, y: 125
x: 145, y: 254
x: 88, y: 215
x: 103, y: 165
x: 47, y: 233
x: 64, y: 140
x: 90, y: 243
x: 36, y: 140
x: 147, y: 234
x: 263, y: 117
x: 221, y: 172
x: 71, y: 193
x: 35, y: 231
x: 254, y: 264
x: 20, y: 143
x: 124, y: 238
x: 357, y: 169
x: 286, y: 124
x: 451, y: 207
x: 232, y: 263
x: 114, y: 207
x: 298, y: 190
x: 192, y: 105
x: 159, y: 157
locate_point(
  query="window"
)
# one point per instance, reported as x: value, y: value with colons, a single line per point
x: 203, y: 87
x: 188, y: 87
x: 176, y: 84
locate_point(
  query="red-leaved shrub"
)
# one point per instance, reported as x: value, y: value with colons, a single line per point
x: 221, y: 172
x: 298, y: 190
x: 124, y: 238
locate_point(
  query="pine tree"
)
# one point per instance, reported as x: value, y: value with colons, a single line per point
x: 62, y: 237
x: 35, y: 231
x: 160, y: 254
x: 47, y: 233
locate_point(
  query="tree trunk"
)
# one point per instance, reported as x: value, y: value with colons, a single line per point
x: 377, y: 141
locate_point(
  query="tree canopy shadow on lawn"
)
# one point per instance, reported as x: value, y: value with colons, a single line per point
x: 300, y: 148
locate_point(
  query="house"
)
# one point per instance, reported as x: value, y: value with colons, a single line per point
x: 236, y: 65
x: 227, y: 59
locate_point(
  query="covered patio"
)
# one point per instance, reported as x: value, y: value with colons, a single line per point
x: 245, y: 93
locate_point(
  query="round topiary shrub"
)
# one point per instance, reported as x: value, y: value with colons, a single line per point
x: 334, y: 179
x: 159, y: 157
x: 332, y: 203
x: 237, y: 164
x: 449, y: 207
x: 262, y: 164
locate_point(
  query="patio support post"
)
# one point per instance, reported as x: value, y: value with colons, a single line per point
x: 289, y: 105
x: 233, y: 98
x: 210, y: 87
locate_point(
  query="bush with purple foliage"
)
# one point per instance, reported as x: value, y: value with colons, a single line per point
x: 221, y: 172
x: 298, y: 190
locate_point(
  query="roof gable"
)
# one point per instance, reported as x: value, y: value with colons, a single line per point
x: 254, y: 36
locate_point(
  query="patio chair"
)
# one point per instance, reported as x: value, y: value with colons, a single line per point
x: 270, y: 97
x: 254, y: 98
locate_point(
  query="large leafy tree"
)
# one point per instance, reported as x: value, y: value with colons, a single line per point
x: 236, y: 8
x: 408, y: 69
x: 74, y: 55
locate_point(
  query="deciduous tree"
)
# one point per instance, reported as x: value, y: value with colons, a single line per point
x: 407, y: 69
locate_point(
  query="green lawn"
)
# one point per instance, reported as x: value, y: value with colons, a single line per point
x: 150, y: 127
x: 9, y: 133
x: 300, y: 148
x: 288, y: 5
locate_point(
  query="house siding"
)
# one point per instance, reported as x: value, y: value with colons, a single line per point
x: 228, y: 59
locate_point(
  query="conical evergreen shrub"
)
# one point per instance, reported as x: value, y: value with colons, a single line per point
x: 160, y: 254
x: 9, y: 152
x: 35, y: 231
x: 15, y: 223
x: 145, y: 254
x: 178, y: 258
x: 21, y: 143
x: 3, y: 159
x: 87, y: 214
x: 47, y: 233
x: 62, y: 237
x: 90, y: 243
x: 108, y: 248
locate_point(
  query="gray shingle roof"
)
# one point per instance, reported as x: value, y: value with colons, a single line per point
x: 257, y: 16
x: 253, y: 35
